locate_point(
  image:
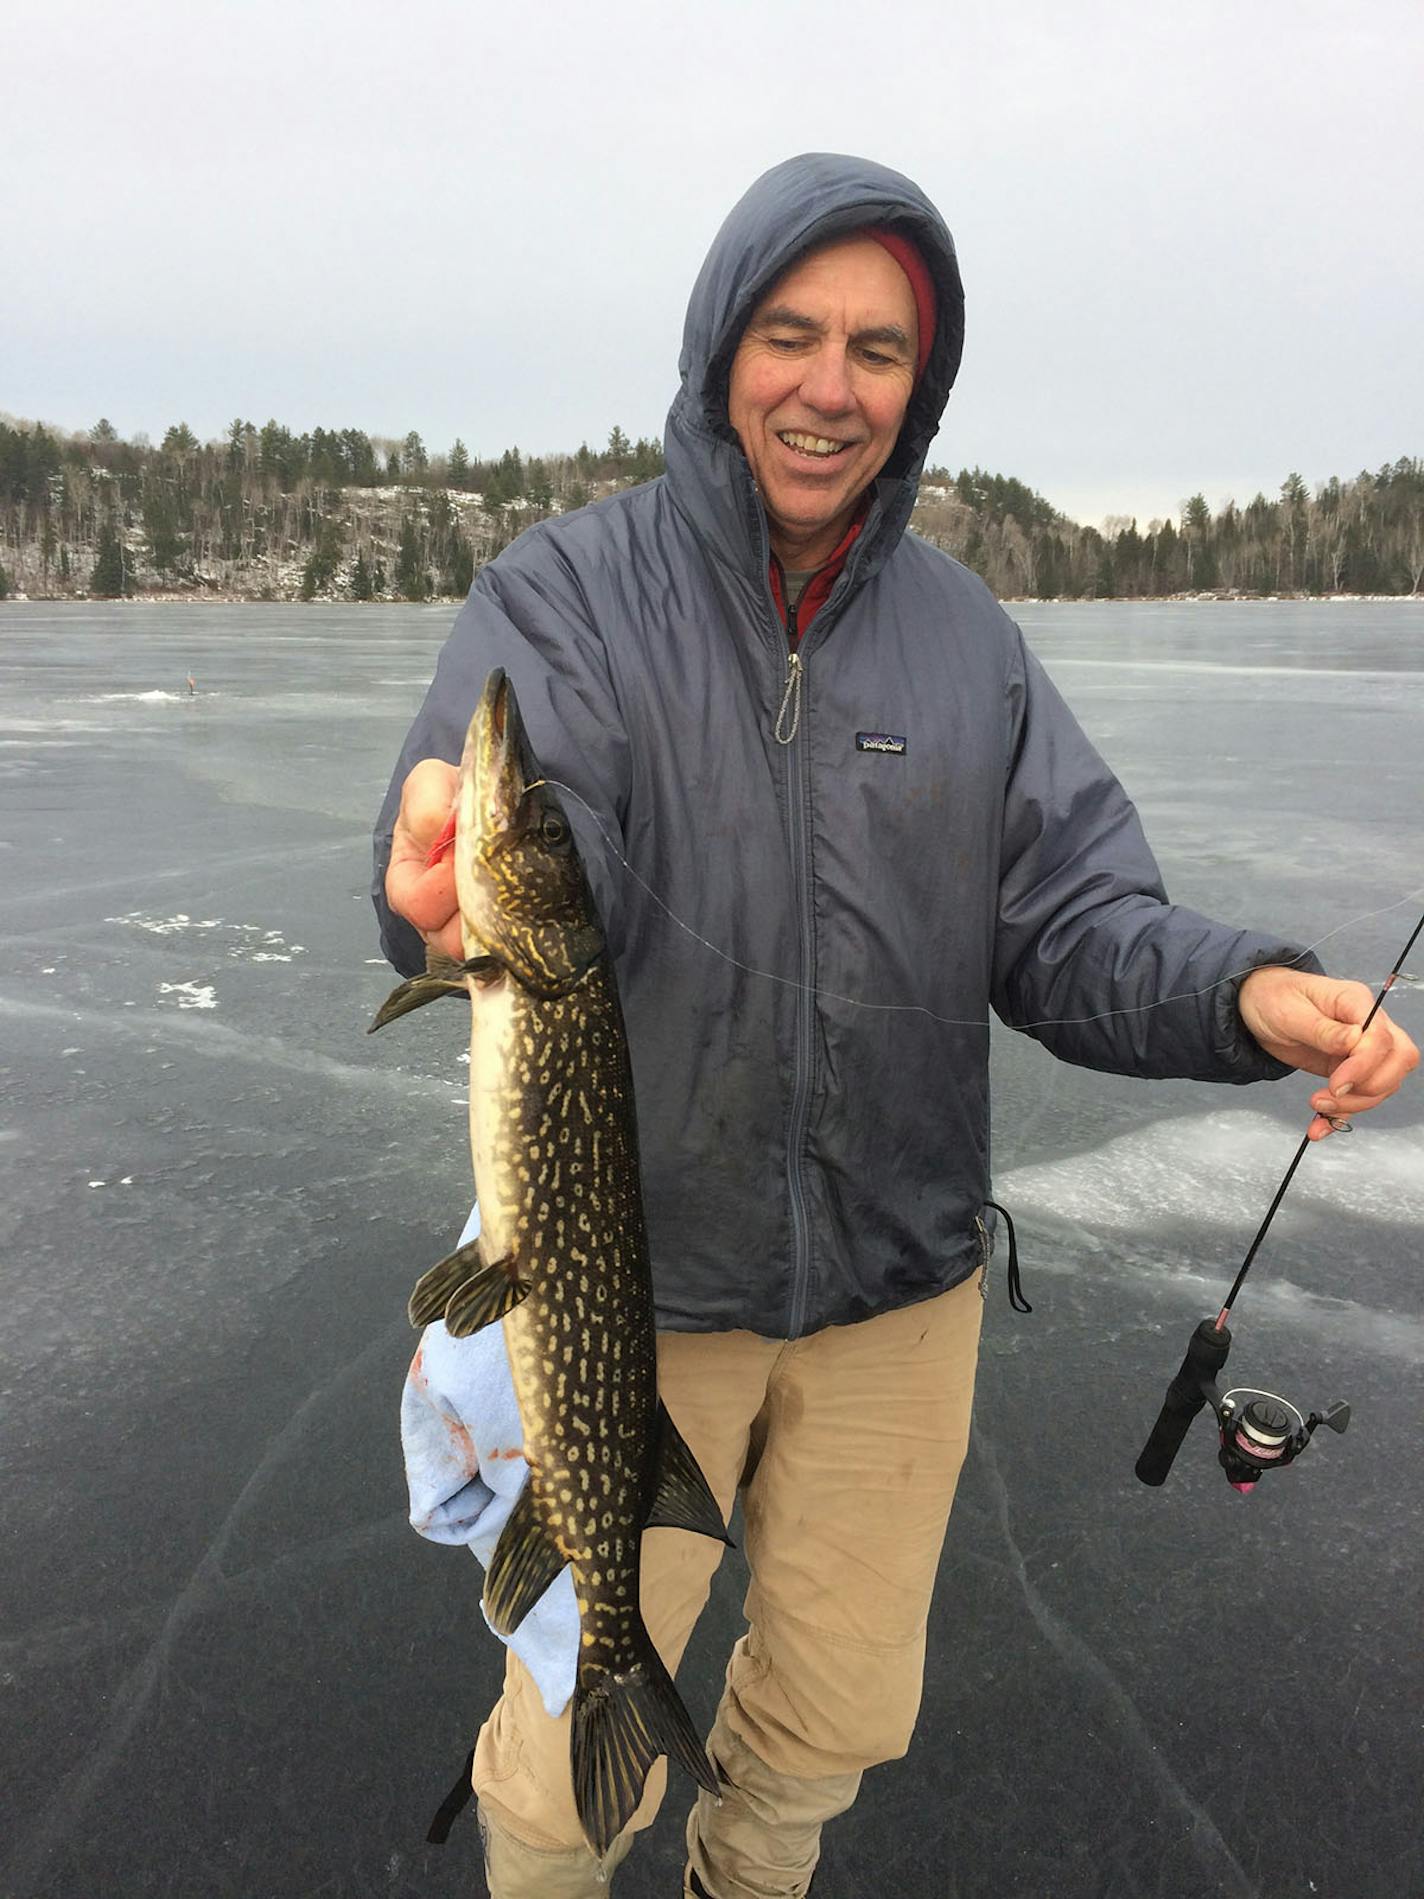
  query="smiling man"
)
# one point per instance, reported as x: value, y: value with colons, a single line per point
x: 819, y: 388
x: 824, y: 749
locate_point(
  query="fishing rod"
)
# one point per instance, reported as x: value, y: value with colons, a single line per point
x: 1255, y: 1427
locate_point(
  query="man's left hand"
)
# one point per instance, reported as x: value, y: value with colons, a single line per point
x: 1313, y: 1022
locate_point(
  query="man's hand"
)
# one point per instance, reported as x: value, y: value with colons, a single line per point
x: 1313, y: 1022
x: 424, y: 894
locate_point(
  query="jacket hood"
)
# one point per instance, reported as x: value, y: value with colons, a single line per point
x: 798, y: 205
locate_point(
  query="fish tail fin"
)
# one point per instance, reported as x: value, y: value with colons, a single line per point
x: 622, y: 1721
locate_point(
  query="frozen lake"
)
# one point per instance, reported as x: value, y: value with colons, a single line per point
x: 228, y: 1665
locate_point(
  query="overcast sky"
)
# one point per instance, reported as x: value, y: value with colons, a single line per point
x: 1190, y: 236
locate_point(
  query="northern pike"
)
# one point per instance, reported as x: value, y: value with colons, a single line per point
x: 562, y: 1256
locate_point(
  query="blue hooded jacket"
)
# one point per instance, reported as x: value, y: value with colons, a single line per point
x: 809, y: 936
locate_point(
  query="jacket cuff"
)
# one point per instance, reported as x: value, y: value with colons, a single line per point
x: 400, y: 942
x: 1240, y: 1054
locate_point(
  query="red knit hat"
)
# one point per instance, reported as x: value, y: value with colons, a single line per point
x: 907, y: 255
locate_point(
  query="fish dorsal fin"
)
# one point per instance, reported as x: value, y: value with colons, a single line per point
x: 683, y: 1500
x: 525, y: 1561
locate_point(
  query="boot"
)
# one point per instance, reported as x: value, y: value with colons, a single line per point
x: 763, y: 1839
x: 516, y: 1871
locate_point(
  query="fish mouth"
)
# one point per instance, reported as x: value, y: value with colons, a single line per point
x: 491, y: 787
x: 498, y: 764
x: 524, y: 902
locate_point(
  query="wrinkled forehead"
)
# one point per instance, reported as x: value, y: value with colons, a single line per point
x: 854, y: 277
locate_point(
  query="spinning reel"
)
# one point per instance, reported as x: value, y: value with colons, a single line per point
x: 1255, y: 1429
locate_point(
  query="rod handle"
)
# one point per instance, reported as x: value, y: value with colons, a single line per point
x: 1206, y: 1355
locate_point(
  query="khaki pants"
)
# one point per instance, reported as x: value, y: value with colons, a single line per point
x: 847, y: 1448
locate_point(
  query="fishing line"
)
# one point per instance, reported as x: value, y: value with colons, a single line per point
x: 1261, y: 1231
x: 919, y: 1008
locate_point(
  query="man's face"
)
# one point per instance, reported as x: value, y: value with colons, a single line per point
x: 819, y: 387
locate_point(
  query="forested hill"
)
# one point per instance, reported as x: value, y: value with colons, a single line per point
x: 337, y: 514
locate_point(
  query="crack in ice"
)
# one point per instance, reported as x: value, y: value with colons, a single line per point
x: 1075, y: 1653
x: 72, y: 1793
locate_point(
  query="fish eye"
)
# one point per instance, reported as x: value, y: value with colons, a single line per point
x: 553, y: 830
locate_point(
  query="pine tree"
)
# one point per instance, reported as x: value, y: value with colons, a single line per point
x: 459, y: 566
x: 110, y: 578
x: 507, y: 482
x: 324, y: 559
x: 1196, y: 539
x: 1294, y: 498
x: 412, y: 582
x: 180, y: 442
x: 618, y: 450
x: 361, y: 588
x: 458, y: 467
x: 164, y: 541
x: 538, y: 486
x: 4, y: 584
x: 648, y: 460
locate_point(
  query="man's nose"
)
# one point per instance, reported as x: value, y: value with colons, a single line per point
x: 826, y: 385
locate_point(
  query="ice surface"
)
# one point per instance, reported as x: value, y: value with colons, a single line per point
x: 190, y: 995
x: 230, y: 1667
x: 152, y: 698
x: 1221, y: 1169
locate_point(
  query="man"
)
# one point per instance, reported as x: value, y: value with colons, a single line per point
x: 824, y: 748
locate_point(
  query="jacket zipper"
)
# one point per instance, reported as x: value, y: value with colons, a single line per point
x: 805, y: 996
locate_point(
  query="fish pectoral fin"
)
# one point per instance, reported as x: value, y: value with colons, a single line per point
x: 483, y: 1297
x: 525, y: 1561
x: 414, y: 995
x: 683, y: 1499
x: 443, y: 977
x: 478, y: 1293
x: 434, y: 1290
x: 443, y: 968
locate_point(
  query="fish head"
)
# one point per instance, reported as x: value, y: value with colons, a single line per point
x: 524, y: 898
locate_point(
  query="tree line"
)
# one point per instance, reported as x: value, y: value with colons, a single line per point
x: 336, y: 513
x: 1358, y: 536
x: 271, y: 514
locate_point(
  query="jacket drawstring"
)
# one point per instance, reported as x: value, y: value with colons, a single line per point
x: 1016, y: 1291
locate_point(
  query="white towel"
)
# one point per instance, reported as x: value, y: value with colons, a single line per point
x: 464, y: 1464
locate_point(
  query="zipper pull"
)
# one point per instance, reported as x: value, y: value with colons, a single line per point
x: 790, y: 700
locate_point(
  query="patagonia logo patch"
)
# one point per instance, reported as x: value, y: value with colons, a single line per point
x: 879, y: 742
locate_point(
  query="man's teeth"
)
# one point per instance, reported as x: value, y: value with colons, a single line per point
x: 810, y: 444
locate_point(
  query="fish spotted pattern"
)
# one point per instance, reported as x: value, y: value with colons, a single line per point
x: 562, y: 1259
